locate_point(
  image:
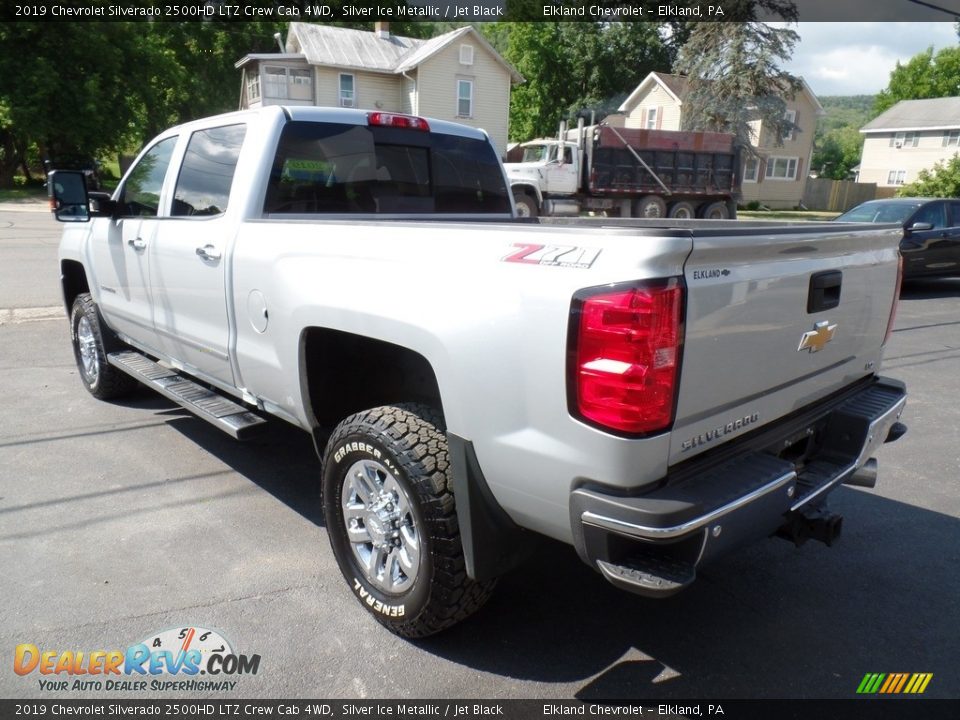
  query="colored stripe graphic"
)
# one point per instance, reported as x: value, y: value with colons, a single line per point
x: 894, y: 683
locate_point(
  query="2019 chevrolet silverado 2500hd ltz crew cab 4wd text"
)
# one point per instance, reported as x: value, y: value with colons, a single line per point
x: 652, y: 392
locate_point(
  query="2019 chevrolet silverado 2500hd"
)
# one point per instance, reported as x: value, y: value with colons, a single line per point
x: 652, y: 392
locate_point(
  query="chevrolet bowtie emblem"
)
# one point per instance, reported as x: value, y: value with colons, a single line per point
x: 816, y: 339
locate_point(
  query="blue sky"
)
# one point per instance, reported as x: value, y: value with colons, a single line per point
x: 840, y: 58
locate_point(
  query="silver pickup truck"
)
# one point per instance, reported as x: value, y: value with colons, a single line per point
x: 654, y: 393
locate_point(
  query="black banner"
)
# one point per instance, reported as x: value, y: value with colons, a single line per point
x: 479, y: 10
x: 872, y: 709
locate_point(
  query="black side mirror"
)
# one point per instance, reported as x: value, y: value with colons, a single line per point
x: 67, y: 190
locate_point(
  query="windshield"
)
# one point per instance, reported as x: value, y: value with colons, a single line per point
x: 880, y: 212
x: 539, y: 153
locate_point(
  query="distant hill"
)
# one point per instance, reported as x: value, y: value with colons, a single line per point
x: 845, y: 111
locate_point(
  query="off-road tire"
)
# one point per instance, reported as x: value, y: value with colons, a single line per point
x: 409, y: 443
x: 104, y: 382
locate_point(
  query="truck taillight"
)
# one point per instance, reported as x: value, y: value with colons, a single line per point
x: 625, y: 356
x: 896, y: 300
x: 397, y: 120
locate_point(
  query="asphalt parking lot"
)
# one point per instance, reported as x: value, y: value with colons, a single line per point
x: 118, y: 521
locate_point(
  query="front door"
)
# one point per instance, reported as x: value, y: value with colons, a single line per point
x: 120, y: 247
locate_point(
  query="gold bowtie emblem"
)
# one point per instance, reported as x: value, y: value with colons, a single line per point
x: 816, y: 339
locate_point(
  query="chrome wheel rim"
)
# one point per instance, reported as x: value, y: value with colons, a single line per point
x: 380, y: 525
x: 87, y: 345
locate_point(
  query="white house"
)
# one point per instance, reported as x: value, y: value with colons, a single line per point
x: 457, y: 76
x: 911, y: 136
x: 778, y: 176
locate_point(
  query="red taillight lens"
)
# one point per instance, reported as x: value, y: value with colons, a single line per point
x: 627, y: 356
x: 396, y: 120
x: 896, y: 300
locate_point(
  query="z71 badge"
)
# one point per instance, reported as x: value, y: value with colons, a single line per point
x: 554, y: 255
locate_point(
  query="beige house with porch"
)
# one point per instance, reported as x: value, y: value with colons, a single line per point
x: 457, y: 76
x: 777, y: 177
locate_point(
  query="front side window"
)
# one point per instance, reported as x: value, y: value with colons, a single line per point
x: 464, y: 98
x: 203, y: 187
x: 347, y: 91
x: 781, y: 168
x: 935, y: 214
x: 338, y: 168
x: 140, y: 196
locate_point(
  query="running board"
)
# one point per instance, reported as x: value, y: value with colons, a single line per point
x: 235, y: 420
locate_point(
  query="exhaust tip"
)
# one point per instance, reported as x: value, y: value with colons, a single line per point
x: 865, y: 477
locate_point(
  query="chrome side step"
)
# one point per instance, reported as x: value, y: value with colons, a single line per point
x: 235, y: 420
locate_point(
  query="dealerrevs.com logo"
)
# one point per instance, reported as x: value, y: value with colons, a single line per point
x: 169, y: 660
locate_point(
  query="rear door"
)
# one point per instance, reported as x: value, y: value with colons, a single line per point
x: 187, y: 257
x: 777, y: 319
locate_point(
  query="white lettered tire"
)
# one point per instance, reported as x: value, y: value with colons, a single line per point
x: 392, y: 522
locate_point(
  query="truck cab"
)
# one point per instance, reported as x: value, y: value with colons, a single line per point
x: 544, y: 171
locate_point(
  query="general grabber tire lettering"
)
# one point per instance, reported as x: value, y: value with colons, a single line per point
x: 92, y: 340
x: 392, y: 522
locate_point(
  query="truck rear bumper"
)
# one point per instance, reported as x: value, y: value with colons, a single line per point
x: 652, y: 543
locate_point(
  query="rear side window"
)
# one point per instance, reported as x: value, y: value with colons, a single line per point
x: 335, y: 168
x: 203, y: 187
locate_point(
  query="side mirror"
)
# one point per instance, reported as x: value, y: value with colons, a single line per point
x: 920, y: 227
x: 67, y: 190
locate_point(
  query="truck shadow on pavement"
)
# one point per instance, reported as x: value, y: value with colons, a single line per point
x: 930, y: 288
x: 772, y: 621
x: 769, y: 621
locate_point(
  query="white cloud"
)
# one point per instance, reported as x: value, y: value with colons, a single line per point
x: 857, y: 58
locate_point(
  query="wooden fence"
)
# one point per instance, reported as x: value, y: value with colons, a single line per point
x: 836, y: 195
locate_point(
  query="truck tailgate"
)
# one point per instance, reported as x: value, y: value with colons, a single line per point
x: 776, y: 320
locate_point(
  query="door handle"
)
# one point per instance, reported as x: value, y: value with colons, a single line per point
x: 208, y: 252
x: 137, y: 243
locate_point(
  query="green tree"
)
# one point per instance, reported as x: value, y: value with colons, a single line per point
x: 942, y: 180
x: 734, y: 74
x: 837, y: 152
x: 925, y: 75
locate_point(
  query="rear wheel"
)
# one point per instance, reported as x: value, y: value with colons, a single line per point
x: 683, y: 210
x: 716, y: 211
x: 392, y: 522
x: 651, y: 206
x: 92, y: 340
x: 526, y: 205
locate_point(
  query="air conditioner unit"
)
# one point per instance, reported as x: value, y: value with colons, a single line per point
x: 898, y: 144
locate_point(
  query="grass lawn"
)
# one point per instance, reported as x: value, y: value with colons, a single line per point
x: 24, y: 192
x: 786, y: 215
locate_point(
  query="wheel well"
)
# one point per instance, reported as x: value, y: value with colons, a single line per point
x: 343, y: 373
x: 73, y: 281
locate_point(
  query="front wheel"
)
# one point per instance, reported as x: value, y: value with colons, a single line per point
x: 526, y: 205
x: 92, y: 340
x: 392, y: 521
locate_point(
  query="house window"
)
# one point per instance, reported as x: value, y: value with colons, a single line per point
x: 651, y: 119
x: 275, y: 82
x: 791, y: 117
x: 751, y: 170
x: 905, y: 139
x: 301, y: 84
x: 951, y: 138
x: 896, y: 177
x: 348, y: 94
x: 781, y: 168
x: 465, y: 98
x: 253, y: 87
x: 466, y: 54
